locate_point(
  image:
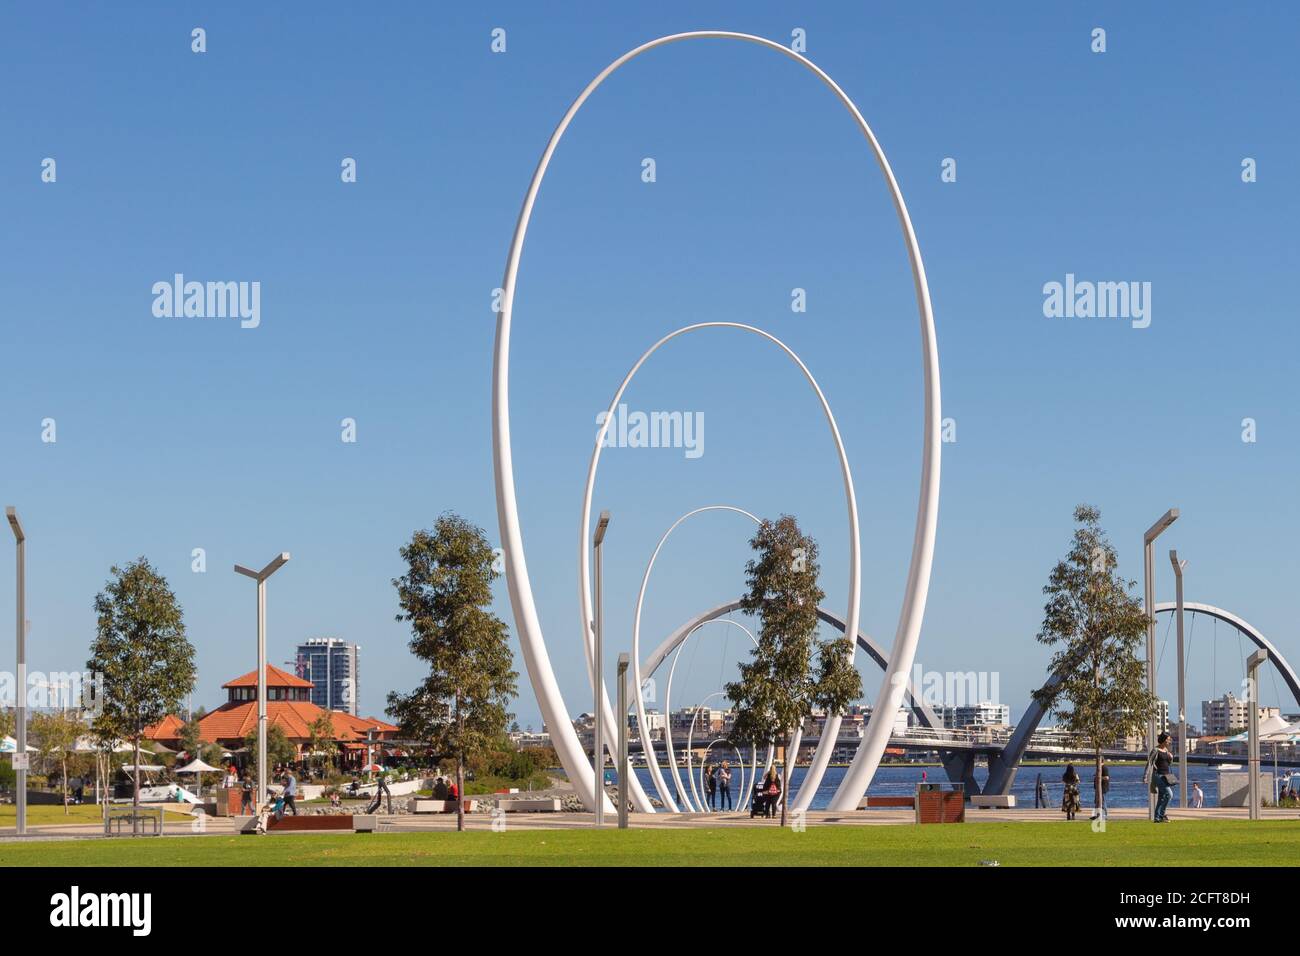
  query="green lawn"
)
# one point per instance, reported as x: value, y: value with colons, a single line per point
x: 46, y: 815
x: 1125, y: 843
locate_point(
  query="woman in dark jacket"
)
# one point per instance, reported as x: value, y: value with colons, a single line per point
x: 771, y: 792
x: 1070, y: 803
x: 1160, y: 768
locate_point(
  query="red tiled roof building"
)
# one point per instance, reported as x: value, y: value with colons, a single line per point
x: 288, y: 706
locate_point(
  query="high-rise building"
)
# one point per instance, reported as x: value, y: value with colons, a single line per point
x: 332, y: 665
x: 983, y: 714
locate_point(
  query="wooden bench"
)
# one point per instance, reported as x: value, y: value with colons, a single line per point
x: 995, y: 801
x: 877, y: 802
x: 530, y: 805
x: 327, y: 822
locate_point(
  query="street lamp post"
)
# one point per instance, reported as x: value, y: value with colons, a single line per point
x: 20, y: 689
x: 1148, y: 577
x: 1182, y: 695
x: 1252, y: 696
x: 598, y: 666
x: 623, y: 662
x: 260, y: 577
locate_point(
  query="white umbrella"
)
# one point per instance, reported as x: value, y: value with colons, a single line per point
x: 198, y: 766
x: 8, y: 746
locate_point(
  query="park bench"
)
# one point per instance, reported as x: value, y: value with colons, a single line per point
x: 321, y: 823
x: 530, y: 805
x: 988, y: 801
x: 429, y: 805
x: 878, y: 802
x: 116, y: 817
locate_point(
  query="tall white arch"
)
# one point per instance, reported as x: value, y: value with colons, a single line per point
x: 585, y: 611
x: 652, y: 758
x: 638, y: 696
x: 532, y: 641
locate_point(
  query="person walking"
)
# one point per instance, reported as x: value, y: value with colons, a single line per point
x: 290, y: 792
x: 1070, y: 804
x: 245, y: 795
x: 771, y: 793
x: 1160, y: 778
x: 724, y: 784
x: 1040, y: 794
x: 383, y: 790
x: 711, y: 786
x: 1198, y: 797
x: 1105, y: 781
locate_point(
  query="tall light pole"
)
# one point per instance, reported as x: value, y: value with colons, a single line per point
x: 1182, y: 695
x: 623, y: 769
x: 1148, y: 578
x: 1252, y: 696
x: 598, y: 666
x: 20, y: 690
x: 260, y: 577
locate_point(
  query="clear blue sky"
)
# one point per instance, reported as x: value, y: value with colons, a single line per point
x: 182, y: 433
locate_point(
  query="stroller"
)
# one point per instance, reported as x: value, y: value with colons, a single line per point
x: 758, y: 802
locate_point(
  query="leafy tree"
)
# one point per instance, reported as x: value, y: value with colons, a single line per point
x: 1096, y: 625
x: 279, y: 748
x: 190, y: 736
x: 321, y: 738
x: 779, y: 687
x: 56, y: 733
x: 8, y: 722
x: 141, y: 650
x: 460, y: 707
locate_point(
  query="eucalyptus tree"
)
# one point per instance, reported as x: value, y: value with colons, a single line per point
x: 141, y: 653
x: 780, y: 686
x: 1096, y: 624
x: 460, y: 708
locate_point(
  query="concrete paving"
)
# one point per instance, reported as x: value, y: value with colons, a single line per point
x: 407, y: 823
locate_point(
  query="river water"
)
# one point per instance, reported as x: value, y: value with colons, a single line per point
x: 1126, y: 787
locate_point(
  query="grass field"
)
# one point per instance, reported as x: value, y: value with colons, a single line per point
x: 47, y: 815
x: 1125, y: 843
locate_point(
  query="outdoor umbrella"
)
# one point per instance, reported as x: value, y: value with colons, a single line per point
x: 197, y: 766
x: 8, y: 746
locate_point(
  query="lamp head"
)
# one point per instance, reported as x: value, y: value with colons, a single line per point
x: 1166, y: 519
x: 601, y: 525
x: 15, y: 524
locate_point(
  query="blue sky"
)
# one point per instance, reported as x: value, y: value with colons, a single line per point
x: 182, y: 433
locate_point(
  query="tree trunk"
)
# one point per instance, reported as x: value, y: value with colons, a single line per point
x: 1097, y: 787
x: 64, y: 764
x: 135, y: 796
x: 460, y: 769
x: 785, y: 775
x: 460, y: 791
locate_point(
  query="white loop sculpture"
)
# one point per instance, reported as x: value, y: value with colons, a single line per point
x: 638, y: 696
x: 652, y: 758
x: 533, y: 643
x: 584, y: 531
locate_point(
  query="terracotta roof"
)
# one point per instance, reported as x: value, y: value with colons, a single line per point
x: 274, y: 678
x: 169, y: 728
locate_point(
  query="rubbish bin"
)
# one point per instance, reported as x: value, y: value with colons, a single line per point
x: 940, y: 803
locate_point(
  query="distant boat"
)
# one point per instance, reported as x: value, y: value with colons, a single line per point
x: 1225, y: 766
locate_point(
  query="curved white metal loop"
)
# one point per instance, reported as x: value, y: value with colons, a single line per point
x: 651, y: 757
x: 585, y: 611
x: 690, y: 733
x: 528, y: 626
x: 638, y: 697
